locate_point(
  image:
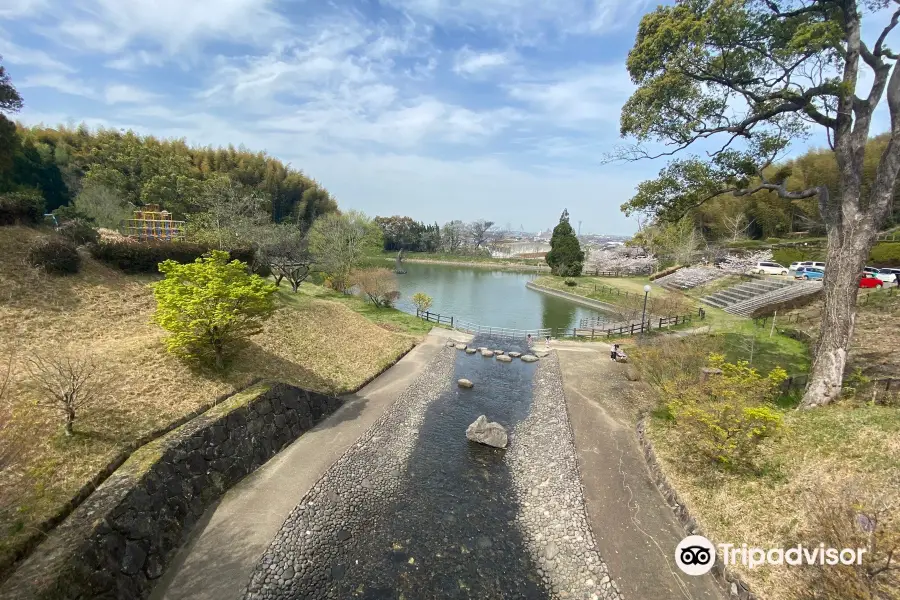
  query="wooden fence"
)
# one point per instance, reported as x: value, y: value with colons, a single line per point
x: 434, y: 318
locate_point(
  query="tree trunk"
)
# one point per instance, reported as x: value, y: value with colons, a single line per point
x: 70, y: 420
x: 848, y: 251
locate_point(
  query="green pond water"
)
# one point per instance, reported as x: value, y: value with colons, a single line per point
x: 495, y: 298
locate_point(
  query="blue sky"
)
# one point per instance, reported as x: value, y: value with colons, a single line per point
x: 436, y: 109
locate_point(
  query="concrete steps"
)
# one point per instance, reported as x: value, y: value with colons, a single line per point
x: 747, y: 291
x: 689, y: 277
x: 789, y: 292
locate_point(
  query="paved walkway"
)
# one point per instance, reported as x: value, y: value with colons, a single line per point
x: 227, y: 543
x: 636, y: 531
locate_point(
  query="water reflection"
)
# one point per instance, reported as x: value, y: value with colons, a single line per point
x: 487, y: 297
x: 451, y: 532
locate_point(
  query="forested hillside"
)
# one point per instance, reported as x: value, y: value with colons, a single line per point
x: 61, y: 162
x: 764, y: 215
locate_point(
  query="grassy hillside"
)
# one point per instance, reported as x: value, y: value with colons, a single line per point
x: 312, y: 341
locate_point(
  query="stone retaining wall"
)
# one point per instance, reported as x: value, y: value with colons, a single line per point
x: 730, y: 581
x: 123, y: 536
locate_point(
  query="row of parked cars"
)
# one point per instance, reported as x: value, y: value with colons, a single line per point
x: 810, y: 270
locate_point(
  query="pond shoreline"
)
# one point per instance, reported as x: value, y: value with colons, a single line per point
x: 482, y: 265
x: 589, y: 302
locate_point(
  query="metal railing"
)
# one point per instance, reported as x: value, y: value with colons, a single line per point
x: 434, y: 317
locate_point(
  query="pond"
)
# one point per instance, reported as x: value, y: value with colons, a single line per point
x: 495, y: 298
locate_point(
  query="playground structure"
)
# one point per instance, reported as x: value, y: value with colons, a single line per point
x: 151, y: 223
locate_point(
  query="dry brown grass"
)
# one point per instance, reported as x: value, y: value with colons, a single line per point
x: 821, y: 449
x: 318, y: 344
x: 874, y: 347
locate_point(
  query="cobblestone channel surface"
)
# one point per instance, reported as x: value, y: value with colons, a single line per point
x: 415, y: 511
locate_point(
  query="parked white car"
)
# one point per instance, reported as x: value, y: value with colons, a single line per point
x: 769, y: 268
x: 885, y: 275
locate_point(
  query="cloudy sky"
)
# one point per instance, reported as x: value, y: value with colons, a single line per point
x: 436, y: 109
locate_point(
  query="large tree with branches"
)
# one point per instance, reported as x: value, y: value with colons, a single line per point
x: 737, y: 81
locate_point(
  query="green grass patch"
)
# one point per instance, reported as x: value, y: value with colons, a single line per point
x: 763, y: 348
x: 389, y: 318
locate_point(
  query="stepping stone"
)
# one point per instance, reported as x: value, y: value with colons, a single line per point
x: 470, y: 350
x: 529, y: 358
x: 515, y: 354
x: 460, y: 346
x: 542, y: 353
x: 487, y: 353
x: 451, y: 344
x: 465, y: 383
x: 504, y: 358
x: 498, y: 351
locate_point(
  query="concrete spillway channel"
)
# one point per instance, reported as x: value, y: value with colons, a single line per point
x: 415, y: 510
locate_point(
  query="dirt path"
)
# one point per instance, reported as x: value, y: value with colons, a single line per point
x: 635, y: 529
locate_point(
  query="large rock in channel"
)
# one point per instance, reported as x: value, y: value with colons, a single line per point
x: 487, y: 433
x: 504, y: 358
x: 465, y: 383
x: 487, y: 353
x: 529, y: 358
x: 515, y: 354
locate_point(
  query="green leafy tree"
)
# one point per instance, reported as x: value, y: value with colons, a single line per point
x: 422, y: 301
x: 10, y: 100
x: 102, y: 206
x: 566, y: 258
x: 754, y: 75
x: 339, y: 243
x: 210, y: 305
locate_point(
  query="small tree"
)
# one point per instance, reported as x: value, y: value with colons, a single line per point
x: 380, y: 285
x: 422, y: 301
x: 565, y: 257
x: 209, y: 305
x: 66, y: 384
x: 286, y: 252
x: 339, y: 243
x: 102, y: 205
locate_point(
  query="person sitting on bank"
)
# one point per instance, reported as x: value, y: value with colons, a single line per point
x: 613, y: 351
x: 620, y: 355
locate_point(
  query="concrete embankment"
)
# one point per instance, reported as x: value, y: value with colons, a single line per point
x: 605, y: 307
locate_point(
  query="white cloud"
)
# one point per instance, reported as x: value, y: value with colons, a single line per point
x: 135, y: 60
x: 470, y: 62
x: 127, y: 94
x: 587, y: 94
x: 60, y: 83
x: 17, y: 8
x: 29, y: 57
x: 526, y: 16
x: 173, y: 25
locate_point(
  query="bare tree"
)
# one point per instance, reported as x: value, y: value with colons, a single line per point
x: 736, y: 225
x: 453, y: 236
x: 66, y: 384
x: 479, y: 231
x: 286, y: 251
x: 380, y: 285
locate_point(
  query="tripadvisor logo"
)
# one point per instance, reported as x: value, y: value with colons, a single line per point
x: 696, y: 555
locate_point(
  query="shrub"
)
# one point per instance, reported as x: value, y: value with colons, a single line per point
x: 79, y: 232
x: 210, y: 305
x: 379, y: 285
x: 55, y: 255
x: 571, y: 282
x: 725, y: 418
x: 21, y: 208
x: 422, y: 301
x: 853, y: 515
x: 132, y: 256
x: 338, y: 283
x: 886, y: 254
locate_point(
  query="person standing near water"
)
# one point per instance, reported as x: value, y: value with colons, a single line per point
x: 529, y: 340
